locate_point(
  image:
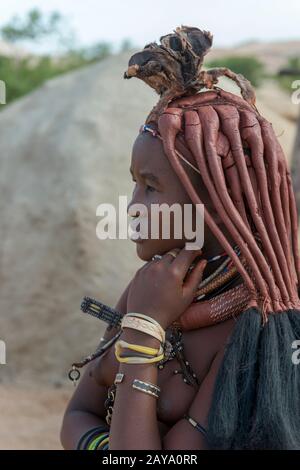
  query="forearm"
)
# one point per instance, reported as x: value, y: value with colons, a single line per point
x: 88, y: 400
x: 75, y: 424
x: 134, y: 422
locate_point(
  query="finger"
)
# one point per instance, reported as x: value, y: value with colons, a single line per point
x: 183, y: 261
x: 154, y: 260
x: 170, y: 255
x: 193, y: 280
x: 146, y: 266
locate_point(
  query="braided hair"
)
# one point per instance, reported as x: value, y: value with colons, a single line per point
x: 256, y: 401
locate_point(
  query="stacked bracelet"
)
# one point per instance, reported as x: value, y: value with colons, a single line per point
x: 144, y: 323
x: 100, y: 442
x: 156, y: 355
x: 144, y: 355
x: 88, y: 439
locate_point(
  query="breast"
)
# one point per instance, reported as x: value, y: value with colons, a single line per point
x: 175, y: 397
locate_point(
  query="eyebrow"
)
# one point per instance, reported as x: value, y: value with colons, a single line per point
x: 147, y: 175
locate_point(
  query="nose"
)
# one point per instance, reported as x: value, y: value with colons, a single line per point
x: 134, y: 200
x: 136, y: 208
x: 132, y: 211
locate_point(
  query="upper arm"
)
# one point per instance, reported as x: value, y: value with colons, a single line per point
x: 90, y: 394
x: 183, y: 435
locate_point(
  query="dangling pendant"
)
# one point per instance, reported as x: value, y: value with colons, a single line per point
x: 74, y: 375
x: 109, y: 403
x: 167, y: 355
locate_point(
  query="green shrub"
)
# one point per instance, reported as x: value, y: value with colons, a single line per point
x: 248, y: 66
x: 24, y: 75
x: 291, y: 72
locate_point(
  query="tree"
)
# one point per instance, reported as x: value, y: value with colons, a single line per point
x: 22, y: 75
x: 36, y: 26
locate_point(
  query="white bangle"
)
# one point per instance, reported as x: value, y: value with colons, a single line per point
x: 149, y: 319
x: 135, y: 323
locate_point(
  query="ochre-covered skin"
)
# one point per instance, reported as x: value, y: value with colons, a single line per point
x: 241, y: 164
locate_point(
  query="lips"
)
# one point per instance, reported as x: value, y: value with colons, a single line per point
x: 137, y: 240
x: 134, y: 235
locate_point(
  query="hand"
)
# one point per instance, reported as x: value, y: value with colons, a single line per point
x: 163, y: 289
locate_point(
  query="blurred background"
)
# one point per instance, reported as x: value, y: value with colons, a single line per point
x: 66, y: 134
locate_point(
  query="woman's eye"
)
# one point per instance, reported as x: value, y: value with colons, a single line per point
x: 149, y: 188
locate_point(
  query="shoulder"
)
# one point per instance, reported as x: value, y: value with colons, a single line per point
x: 204, y: 344
x: 210, y: 338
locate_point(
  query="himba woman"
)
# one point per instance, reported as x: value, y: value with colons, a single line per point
x: 202, y: 357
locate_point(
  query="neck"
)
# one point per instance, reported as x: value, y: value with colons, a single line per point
x: 213, y: 248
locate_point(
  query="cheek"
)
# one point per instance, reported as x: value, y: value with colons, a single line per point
x: 173, y: 198
x: 166, y: 226
x: 147, y: 249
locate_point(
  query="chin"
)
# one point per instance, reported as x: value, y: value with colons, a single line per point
x: 146, y: 249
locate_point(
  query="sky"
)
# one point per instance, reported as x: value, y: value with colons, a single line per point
x: 231, y: 21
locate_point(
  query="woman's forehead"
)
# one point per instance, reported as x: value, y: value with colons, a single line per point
x: 148, y: 153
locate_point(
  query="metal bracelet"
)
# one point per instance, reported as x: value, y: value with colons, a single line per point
x: 146, y: 387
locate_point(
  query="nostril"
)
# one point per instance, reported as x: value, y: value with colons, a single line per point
x: 137, y: 211
x: 133, y: 214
